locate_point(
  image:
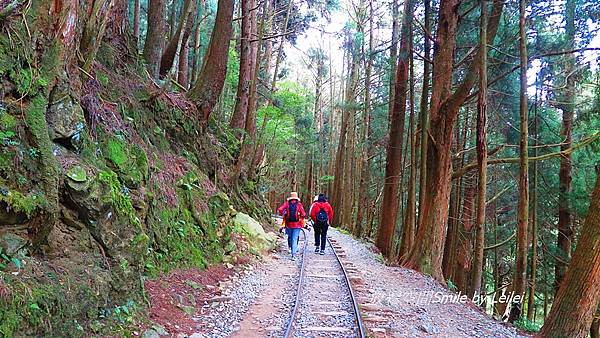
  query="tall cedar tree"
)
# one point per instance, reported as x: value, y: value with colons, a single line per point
x: 238, y: 118
x: 426, y: 255
x: 207, y: 89
x: 520, y: 275
x: 565, y: 222
x: 573, y: 310
x: 393, y: 166
x: 477, y: 270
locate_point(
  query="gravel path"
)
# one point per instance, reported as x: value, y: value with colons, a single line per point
x: 272, y: 281
x: 398, y: 302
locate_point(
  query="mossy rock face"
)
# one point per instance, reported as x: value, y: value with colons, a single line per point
x: 65, y: 118
x: 220, y: 205
x: 11, y: 243
x: 254, y: 233
x: 130, y: 162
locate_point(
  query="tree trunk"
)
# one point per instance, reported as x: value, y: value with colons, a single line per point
x: 341, y: 170
x: 477, y: 270
x: 154, y: 36
x: 173, y: 18
x: 565, y: 222
x: 393, y: 56
x: 136, y: 23
x: 94, y: 30
x: 534, y: 222
x: 465, y: 238
x: 182, y: 73
x: 573, y: 310
x: 168, y: 56
x: 389, y: 213
x: 197, y: 45
x: 238, y: 118
x: 365, y: 175
x: 209, y: 84
x: 408, y: 230
x: 427, y: 257
x: 520, y: 276
x: 424, y: 118
x: 246, y: 158
x: 595, y: 329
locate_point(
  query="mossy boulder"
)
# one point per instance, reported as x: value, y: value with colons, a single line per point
x: 254, y: 233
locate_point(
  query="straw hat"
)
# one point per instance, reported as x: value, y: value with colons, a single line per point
x: 293, y: 196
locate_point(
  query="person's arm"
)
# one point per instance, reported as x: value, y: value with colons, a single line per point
x: 302, y: 211
x: 282, y: 208
x: 329, y: 212
x: 313, y: 213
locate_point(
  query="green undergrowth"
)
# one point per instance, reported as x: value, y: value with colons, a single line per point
x: 18, y: 202
x: 527, y: 325
x: 46, y: 307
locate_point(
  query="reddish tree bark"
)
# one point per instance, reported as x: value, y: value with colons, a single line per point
x: 565, y: 222
x: 154, y: 36
x: 393, y: 166
x: 427, y: 255
x: 209, y: 84
x: 595, y: 329
x: 136, y: 23
x: 168, y: 56
x: 408, y: 228
x: 238, y: 118
x: 477, y: 270
x: 520, y: 275
x: 424, y: 118
x: 182, y: 73
x: 464, y: 256
x: 573, y: 310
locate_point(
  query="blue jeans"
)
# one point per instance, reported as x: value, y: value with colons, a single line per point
x: 293, y: 237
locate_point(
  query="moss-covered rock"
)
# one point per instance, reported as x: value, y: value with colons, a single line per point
x: 253, y: 231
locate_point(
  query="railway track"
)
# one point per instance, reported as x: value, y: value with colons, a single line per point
x: 325, y: 304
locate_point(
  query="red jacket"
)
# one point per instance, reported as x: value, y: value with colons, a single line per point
x: 317, y: 206
x: 283, y: 210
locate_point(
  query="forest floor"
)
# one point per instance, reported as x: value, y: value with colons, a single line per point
x: 254, y: 300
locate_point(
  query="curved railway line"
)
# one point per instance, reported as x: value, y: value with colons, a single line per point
x: 325, y: 304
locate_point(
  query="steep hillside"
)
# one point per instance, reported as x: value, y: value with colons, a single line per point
x: 105, y: 178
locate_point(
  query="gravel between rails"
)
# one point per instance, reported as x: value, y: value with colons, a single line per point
x: 393, y: 309
x: 325, y: 308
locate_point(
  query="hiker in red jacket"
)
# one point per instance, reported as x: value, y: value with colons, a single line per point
x: 293, y: 213
x: 321, y: 214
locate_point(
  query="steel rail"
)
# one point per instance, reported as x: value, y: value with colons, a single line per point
x: 361, y: 326
x: 290, y: 324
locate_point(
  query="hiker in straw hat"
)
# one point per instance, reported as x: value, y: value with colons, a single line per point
x: 293, y: 215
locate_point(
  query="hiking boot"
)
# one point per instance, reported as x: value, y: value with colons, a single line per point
x: 322, y: 252
x: 317, y: 249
